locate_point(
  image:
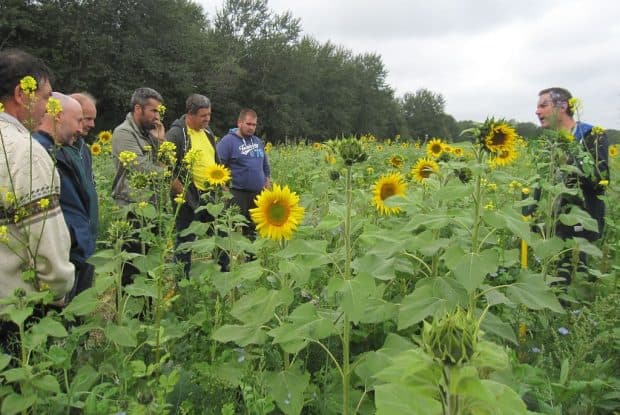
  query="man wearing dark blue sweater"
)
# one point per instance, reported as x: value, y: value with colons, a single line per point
x: 244, y: 154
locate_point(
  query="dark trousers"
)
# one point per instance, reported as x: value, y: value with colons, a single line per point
x: 245, y: 200
x: 566, y: 266
x: 84, y: 277
x: 184, y: 218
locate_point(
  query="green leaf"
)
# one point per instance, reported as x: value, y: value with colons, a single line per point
x: 46, y: 383
x: 396, y: 399
x: 49, y: 327
x: 432, y: 296
x: 578, y: 216
x: 494, y: 325
x: 510, y: 219
x: 355, y: 294
x: 15, y: 403
x: 121, y: 335
x: 142, y: 287
x: 259, y: 306
x: 18, y: 315
x: 241, y: 335
x: 85, y: 303
x: 287, y: 388
x: 5, y: 359
x: 16, y: 375
x: 105, y: 261
x: 302, y: 325
x: 85, y: 378
x: 226, y: 281
x: 531, y: 291
x: 506, y: 401
x: 379, y: 267
x: 470, y: 268
x: 138, y: 368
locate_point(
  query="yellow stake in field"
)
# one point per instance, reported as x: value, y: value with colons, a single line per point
x: 524, y: 248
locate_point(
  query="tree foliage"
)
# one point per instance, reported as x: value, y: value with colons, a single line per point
x: 245, y: 56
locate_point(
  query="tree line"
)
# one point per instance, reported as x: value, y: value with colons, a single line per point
x: 245, y: 55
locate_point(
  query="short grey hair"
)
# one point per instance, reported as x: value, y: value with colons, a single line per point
x: 196, y: 102
x: 141, y: 95
x: 558, y: 97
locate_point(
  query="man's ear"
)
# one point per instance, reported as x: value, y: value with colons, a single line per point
x: 20, y: 97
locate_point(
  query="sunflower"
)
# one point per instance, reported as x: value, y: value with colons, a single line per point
x: 500, y: 137
x: 395, y: 161
x: 613, y: 151
x: 386, y: 187
x: 217, y: 174
x: 457, y: 151
x: 504, y: 157
x: 277, y: 213
x: 95, y: 149
x: 105, y: 136
x: 316, y: 146
x: 434, y: 148
x: 423, y: 169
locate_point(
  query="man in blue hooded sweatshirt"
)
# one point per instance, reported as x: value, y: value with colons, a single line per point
x: 244, y: 154
x: 554, y: 111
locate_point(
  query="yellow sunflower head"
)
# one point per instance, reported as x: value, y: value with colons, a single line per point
x: 434, y: 148
x: 396, y: 161
x: 386, y: 187
x: 504, y: 157
x: 316, y: 146
x: 458, y: 151
x: 613, y: 151
x: 104, y: 136
x: 423, y: 169
x: 277, y: 213
x: 217, y: 175
x: 95, y: 149
x: 268, y: 147
x: 500, y: 136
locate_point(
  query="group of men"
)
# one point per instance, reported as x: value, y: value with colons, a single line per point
x: 49, y: 208
x: 240, y: 150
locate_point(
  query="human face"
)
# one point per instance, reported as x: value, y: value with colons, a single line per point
x: 247, y: 126
x: 90, y: 114
x: 200, y: 120
x: 546, y: 111
x: 69, y: 125
x: 147, y: 116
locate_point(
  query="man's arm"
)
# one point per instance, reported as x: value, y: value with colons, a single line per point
x: 44, y: 226
x: 125, y: 140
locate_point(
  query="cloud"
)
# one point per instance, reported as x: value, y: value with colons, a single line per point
x: 485, y: 57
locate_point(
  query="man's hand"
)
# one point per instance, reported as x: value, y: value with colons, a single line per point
x: 159, y: 132
x: 176, y: 187
x: 267, y: 183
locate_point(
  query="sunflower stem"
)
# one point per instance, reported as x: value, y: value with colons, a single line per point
x: 346, y: 334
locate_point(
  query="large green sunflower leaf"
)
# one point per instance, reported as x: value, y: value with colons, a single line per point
x: 240, y: 334
x: 287, y: 388
x: 432, y: 296
x: 531, y: 291
x: 303, y: 324
x: 470, y: 268
x: 259, y: 306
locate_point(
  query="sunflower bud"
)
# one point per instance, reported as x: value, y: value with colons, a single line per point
x: 351, y: 151
x: 452, y: 339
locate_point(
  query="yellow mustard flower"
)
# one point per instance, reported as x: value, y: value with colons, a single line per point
x: 330, y: 159
x: 1, y: 107
x: 522, y: 332
x: 127, y: 157
x: 574, y: 104
x: 489, y: 206
x: 143, y: 205
x: 161, y: 109
x: 604, y: 183
x: 29, y: 85
x: 598, y: 130
x: 53, y: 107
x: 268, y: 147
x: 4, y: 233
x: 43, y: 203
x: 525, y: 191
x: 167, y: 153
x: 10, y: 198
x: 370, y: 170
x: 179, y: 199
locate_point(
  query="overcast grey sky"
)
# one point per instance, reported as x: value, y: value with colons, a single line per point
x: 486, y: 57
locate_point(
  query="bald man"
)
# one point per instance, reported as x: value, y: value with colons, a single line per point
x: 57, y: 133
